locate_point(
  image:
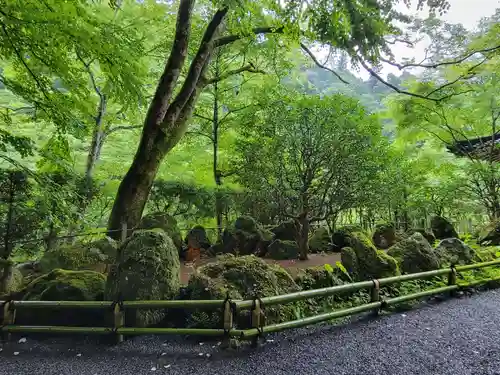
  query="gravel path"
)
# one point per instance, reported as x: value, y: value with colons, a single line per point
x: 458, y: 336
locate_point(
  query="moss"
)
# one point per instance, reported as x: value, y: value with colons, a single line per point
x: 147, y: 268
x: 424, y: 232
x: 14, y: 280
x: 244, y: 277
x: 79, y: 256
x: 454, y: 251
x: 442, y: 228
x: 384, y: 235
x: 64, y: 285
x: 414, y: 254
x: 246, y: 223
x: 341, y: 237
x: 165, y: 222
x: 372, y: 264
x: 280, y: 250
x: 350, y: 261
x: 320, y: 241
x: 490, y: 234
x: 318, y: 277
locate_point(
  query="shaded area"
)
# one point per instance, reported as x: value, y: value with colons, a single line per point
x: 484, y: 148
x: 458, y: 336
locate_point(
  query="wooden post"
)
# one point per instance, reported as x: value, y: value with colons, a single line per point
x: 227, y: 315
x: 9, y: 316
x: 256, y: 320
x: 452, y: 279
x: 375, y: 294
x: 119, y: 321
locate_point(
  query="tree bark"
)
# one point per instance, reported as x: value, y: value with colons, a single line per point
x: 302, y: 225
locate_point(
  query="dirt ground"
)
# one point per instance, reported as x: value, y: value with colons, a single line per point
x: 290, y: 265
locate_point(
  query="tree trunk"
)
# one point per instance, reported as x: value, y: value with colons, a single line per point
x: 134, y: 189
x: 215, y: 141
x: 302, y: 231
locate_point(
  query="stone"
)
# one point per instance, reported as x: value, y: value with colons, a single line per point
x: 341, y: 237
x: 320, y: 241
x: 282, y: 250
x: 442, y: 228
x: 415, y: 254
x: 243, y: 278
x: 94, y: 256
x: 197, y: 238
x: 64, y: 285
x: 384, y: 235
x: 245, y: 237
x: 372, y: 263
x: 166, y: 222
x: 489, y: 235
x: 147, y: 268
x: 454, y: 251
x: 325, y: 276
x: 349, y: 260
x: 285, y: 231
x: 424, y: 232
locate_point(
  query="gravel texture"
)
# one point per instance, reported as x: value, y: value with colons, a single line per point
x: 457, y: 336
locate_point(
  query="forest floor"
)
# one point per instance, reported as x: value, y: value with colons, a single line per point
x: 458, y: 336
x: 292, y: 266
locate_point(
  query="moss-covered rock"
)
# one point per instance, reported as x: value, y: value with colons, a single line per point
x: 147, y: 268
x: 414, y: 254
x: 372, y: 263
x: 384, y: 235
x: 92, y: 256
x: 349, y: 260
x: 285, y: 231
x: 161, y: 220
x: 454, y: 251
x: 64, y: 285
x: 245, y: 237
x: 341, y: 236
x: 424, y: 232
x: 442, y: 228
x: 281, y: 250
x: 197, y: 238
x: 318, y: 277
x: 11, y: 278
x: 489, y: 235
x: 320, y: 241
x: 243, y: 277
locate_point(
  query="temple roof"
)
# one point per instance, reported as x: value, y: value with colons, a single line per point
x: 478, y: 148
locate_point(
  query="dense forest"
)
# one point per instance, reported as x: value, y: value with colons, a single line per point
x: 242, y: 127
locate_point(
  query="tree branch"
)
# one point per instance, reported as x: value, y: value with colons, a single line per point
x: 198, y: 65
x: 316, y: 61
x: 203, y: 117
x: 247, y: 68
x: 118, y: 128
x: 256, y: 31
x: 172, y: 71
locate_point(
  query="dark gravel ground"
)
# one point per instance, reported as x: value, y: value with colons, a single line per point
x: 457, y: 336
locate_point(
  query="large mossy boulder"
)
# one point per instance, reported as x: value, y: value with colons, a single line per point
x: 325, y: 276
x: 349, y: 260
x: 371, y: 263
x: 414, y: 254
x: 489, y: 235
x: 384, y: 235
x: 454, y: 251
x: 320, y: 241
x: 243, y: 278
x: 341, y: 236
x: 197, y: 238
x: 285, y: 231
x: 92, y: 256
x: 442, y: 228
x: 147, y: 268
x: 424, y: 232
x: 245, y: 237
x: 282, y: 250
x: 166, y: 222
x: 11, y: 278
x: 64, y: 285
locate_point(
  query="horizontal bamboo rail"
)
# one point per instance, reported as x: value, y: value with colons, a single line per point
x: 229, y: 307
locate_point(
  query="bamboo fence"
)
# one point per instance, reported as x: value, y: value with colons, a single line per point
x: 231, y: 307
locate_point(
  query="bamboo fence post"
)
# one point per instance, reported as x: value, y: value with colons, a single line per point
x: 9, y: 316
x: 452, y: 279
x: 256, y: 319
x: 375, y: 295
x: 227, y: 316
x: 118, y: 320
